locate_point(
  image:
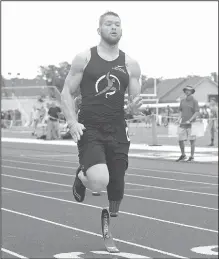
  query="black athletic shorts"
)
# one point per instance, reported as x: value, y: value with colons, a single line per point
x: 103, y: 145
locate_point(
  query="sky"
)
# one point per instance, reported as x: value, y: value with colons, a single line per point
x: 168, y: 39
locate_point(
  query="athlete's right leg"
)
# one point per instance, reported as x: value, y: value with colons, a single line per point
x: 93, y: 172
x: 96, y: 178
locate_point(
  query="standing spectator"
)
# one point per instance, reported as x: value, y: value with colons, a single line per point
x: 37, y: 113
x: 213, y: 119
x: 204, y: 115
x: 204, y: 112
x: 3, y: 120
x: 189, y: 110
x: 53, y: 122
x: 168, y: 112
x: 147, y: 112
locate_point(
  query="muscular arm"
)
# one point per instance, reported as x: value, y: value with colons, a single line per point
x: 134, y: 87
x: 71, y: 86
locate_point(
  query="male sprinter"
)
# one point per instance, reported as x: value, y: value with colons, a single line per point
x: 103, y: 74
x: 189, y: 110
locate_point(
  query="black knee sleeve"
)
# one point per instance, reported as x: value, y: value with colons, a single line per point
x: 115, y: 188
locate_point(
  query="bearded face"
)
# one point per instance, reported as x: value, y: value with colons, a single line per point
x: 110, y: 29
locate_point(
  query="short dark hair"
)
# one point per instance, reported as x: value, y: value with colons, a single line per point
x: 105, y: 14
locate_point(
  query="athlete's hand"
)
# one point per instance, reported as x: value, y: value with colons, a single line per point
x: 134, y: 105
x: 76, y: 130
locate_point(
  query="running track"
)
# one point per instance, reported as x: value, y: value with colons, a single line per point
x: 168, y: 209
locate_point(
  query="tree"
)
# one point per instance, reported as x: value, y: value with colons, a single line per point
x: 147, y: 84
x: 55, y: 75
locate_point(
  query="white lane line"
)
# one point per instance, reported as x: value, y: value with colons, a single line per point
x: 143, y: 176
x: 127, y: 183
x: 134, y: 168
x: 58, y: 155
x: 171, y: 179
x: 122, y: 212
x: 171, y: 189
x: 171, y: 202
x: 172, y: 157
x: 91, y: 233
x: 34, y: 180
x: 13, y: 253
x: 128, y: 195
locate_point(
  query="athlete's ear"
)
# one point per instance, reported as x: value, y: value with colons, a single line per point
x: 98, y: 31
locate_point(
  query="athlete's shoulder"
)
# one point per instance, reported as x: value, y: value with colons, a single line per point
x: 81, y: 59
x: 84, y: 55
x: 132, y: 66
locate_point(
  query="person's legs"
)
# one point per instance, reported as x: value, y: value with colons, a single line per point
x: 116, y: 186
x: 93, y: 172
x: 192, y: 140
x: 52, y: 129
x: 56, y: 129
x: 35, y: 123
x: 117, y: 162
x: 212, y: 134
x: 182, y: 147
x: 182, y: 138
x: 49, y: 129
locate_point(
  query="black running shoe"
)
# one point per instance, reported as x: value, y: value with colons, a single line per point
x: 181, y: 158
x: 78, y: 188
x: 191, y: 159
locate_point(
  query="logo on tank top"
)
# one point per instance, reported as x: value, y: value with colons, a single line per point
x: 107, y: 84
x: 120, y: 68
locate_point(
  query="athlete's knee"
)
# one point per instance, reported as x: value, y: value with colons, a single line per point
x: 98, y: 177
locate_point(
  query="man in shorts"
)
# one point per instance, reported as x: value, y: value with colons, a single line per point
x: 189, y: 110
x: 103, y: 73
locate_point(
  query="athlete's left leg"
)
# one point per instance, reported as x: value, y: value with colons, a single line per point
x: 117, y: 162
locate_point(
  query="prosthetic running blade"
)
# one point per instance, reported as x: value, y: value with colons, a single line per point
x: 107, y: 236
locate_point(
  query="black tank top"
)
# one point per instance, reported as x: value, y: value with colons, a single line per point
x: 103, y: 89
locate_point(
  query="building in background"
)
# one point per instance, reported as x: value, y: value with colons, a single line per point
x: 171, y: 90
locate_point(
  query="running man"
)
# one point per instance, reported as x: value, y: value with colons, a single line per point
x: 189, y: 110
x: 103, y: 74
